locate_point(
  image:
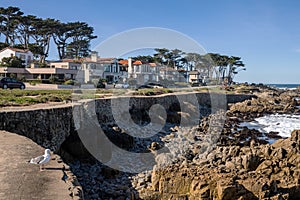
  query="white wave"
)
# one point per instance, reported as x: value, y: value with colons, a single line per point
x: 282, y: 123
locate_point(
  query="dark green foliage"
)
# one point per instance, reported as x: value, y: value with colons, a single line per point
x: 12, y: 62
x: 3, y: 45
x: 30, y: 32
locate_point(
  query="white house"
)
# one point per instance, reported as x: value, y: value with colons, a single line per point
x: 66, y: 64
x: 95, y: 67
x: 143, y: 72
x: 23, y: 54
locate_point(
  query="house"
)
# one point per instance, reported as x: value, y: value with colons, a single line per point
x: 39, y: 73
x: 195, y: 76
x: 95, y: 67
x: 66, y: 64
x: 23, y: 54
x: 143, y: 72
x: 170, y: 74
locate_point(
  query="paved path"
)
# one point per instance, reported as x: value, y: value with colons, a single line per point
x: 21, y: 180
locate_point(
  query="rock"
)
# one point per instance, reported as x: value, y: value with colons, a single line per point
x: 155, y: 146
x: 279, y: 153
x: 250, y: 162
x: 295, y: 136
x: 225, y: 191
x: 155, y: 179
x: 265, y: 167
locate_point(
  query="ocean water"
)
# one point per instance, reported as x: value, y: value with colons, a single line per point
x: 282, y: 123
x: 285, y: 86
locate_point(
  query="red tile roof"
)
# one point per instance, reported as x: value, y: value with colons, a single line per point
x: 152, y: 64
x: 138, y: 62
x: 123, y: 62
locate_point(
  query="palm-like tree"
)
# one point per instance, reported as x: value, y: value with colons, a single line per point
x: 235, y: 63
x: 9, y: 20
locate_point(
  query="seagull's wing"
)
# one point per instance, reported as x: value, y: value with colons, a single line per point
x: 37, y: 160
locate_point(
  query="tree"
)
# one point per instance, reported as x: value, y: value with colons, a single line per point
x: 193, y: 60
x: 145, y: 59
x: 78, y: 49
x: 60, y: 36
x: 41, y: 33
x: 81, y: 35
x: 12, y: 62
x: 175, y: 57
x: 162, y: 55
x: 9, y: 20
x: 23, y: 29
x: 3, y: 45
x: 234, y: 64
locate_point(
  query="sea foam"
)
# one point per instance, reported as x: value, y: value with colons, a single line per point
x: 282, y: 123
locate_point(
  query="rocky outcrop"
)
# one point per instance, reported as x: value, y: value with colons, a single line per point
x: 268, y: 101
x: 233, y: 172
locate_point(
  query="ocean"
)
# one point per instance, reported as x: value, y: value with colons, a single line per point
x: 282, y: 123
x: 285, y: 86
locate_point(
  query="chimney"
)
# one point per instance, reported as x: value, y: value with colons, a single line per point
x: 94, y: 56
x: 130, y: 70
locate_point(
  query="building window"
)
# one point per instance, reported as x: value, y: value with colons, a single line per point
x: 22, y: 57
x: 107, y: 68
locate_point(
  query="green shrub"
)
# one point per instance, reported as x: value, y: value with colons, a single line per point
x: 69, y: 82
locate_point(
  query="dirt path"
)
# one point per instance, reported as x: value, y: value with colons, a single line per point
x: 21, y: 180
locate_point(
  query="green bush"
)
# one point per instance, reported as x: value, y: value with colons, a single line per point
x: 69, y: 82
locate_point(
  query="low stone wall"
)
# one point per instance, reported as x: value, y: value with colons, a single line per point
x: 49, y: 127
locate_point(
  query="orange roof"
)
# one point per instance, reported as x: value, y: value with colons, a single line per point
x: 123, y: 62
x: 138, y: 62
x: 152, y: 64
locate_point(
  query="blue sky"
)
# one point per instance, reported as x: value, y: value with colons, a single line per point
x: 265, y: 34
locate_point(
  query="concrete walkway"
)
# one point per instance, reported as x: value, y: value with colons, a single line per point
x: 21, y: 180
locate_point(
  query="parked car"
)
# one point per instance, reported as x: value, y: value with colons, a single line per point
x: 122, y: 85
x: 144, y: 86
x: 125, y: 85
x: 11, y: 83
x: 195, y: 84
x: 155, y: 85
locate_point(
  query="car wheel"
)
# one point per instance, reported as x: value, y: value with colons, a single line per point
x: 4, y: 87
x: 22, y: 87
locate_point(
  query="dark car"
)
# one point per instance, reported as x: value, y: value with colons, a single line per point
x: 11, y: 83
x: 195, y: 84
x: 144, y: 86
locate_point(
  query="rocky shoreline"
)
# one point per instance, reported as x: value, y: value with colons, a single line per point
x: 236, y: 164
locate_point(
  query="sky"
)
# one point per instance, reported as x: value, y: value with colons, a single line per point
x: 265, y: 34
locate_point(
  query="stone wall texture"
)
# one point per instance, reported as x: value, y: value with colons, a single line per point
x: 49, y: 127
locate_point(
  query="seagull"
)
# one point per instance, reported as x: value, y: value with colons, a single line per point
x: 41, y: 160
